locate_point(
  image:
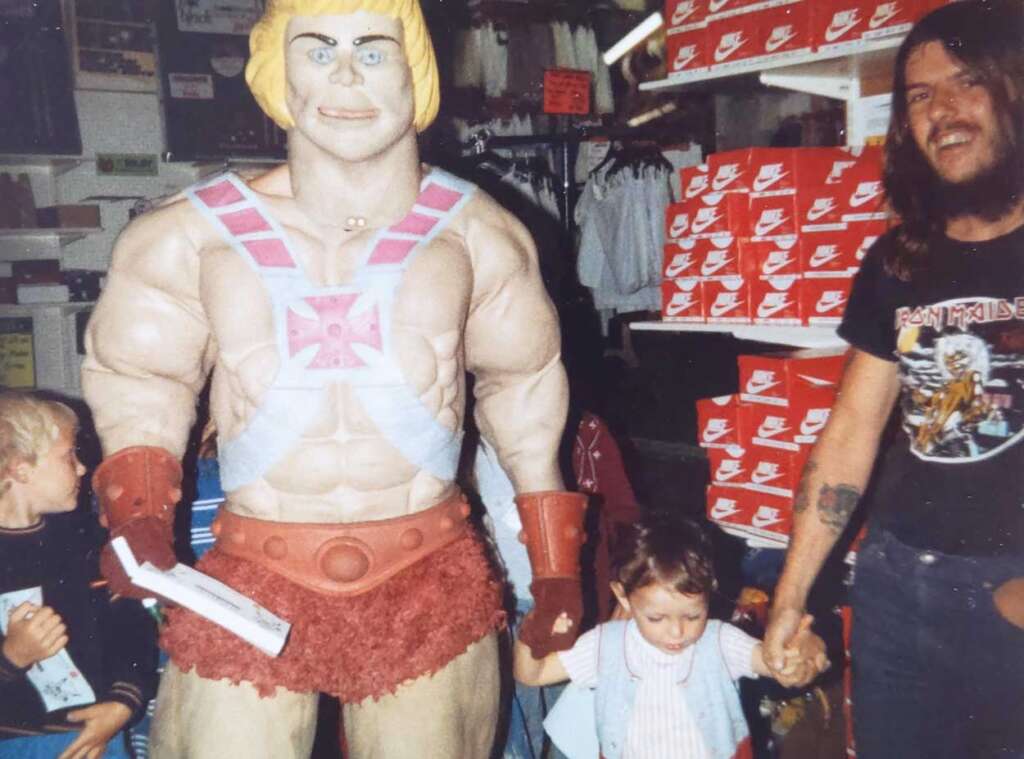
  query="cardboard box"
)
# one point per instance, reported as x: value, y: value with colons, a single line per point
x: 727, y: 301
x: 677, y: 220
x: 731, y: 40
x: 729, y: 505
x: 694, y: 181
x: 727, y: 8
x: 776, y: 300
x: 773, y: 216
x: 730, y: 171
x: 687, y: 51
x: 37, y: 272
x: 774, y: 471
x: 774, y: 378
x: 771, y: 513
x: 824, y: 300
x: 721, y: 256
x: 716, y: 213
x: 773, y: 171
x: 682, y: 300
x: 770, y: 427
x: 683, y: 14
x: 838, y: 25
x: 728, y: 467
x: 776, y: 257
x: 68, y: 216
x: 830, y: 253
x: 785, y: 31
x: 865, y: 201
x: 890, y: 18
x: 719, y: 421
x: 680, y: 259
x: 809, y: 410
x: 820, y: 208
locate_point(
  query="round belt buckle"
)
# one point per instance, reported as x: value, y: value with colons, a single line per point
x: 344, y: 560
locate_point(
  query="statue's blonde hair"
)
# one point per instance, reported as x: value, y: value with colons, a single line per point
x: 265, y: 72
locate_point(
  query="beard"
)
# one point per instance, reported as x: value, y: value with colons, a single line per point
x: 990, y: 194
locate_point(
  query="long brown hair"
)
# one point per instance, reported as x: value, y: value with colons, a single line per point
x: 986, y: 36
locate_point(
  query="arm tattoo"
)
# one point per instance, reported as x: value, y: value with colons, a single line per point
x: 835, y: 504
x: 803, y: 495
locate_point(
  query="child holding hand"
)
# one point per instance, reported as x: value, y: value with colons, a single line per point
x: 665, y: 676
x: 111, y: 643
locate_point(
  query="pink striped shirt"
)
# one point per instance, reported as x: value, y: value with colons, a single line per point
x: 660, y: 726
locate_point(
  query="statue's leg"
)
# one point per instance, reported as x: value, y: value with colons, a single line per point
x: 212, y: 719
x: 452, y: 713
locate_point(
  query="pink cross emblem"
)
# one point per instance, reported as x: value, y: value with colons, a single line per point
x: 334, y: 331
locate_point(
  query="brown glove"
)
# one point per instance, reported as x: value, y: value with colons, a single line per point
x: 1009, y: 600
x: 138, y: 489
x: 553, y: 534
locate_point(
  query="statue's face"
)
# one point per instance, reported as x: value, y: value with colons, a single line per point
x: 349, y: 86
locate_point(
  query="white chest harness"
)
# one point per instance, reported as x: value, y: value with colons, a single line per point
x: 327, y: 335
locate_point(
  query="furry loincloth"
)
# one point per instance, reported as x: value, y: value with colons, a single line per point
x: 348, y: 646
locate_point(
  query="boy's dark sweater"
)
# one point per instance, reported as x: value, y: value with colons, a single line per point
x: 113, y: 643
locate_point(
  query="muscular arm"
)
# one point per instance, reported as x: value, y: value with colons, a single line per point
x: 147, y: 344
x: 833, y: 480
x: 513, y: 347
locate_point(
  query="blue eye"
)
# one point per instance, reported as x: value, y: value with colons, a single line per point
x: 370, y: 57
x: 323, y: 55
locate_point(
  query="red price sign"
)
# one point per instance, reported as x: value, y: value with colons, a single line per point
x: 566, y: 91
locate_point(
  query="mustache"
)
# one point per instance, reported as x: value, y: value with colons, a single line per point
x: 938, y: 129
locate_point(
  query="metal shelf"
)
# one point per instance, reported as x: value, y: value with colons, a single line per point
x: 64, y: 235
x: 798, y: 337
x: 28, y: 309
x: 59, y: 164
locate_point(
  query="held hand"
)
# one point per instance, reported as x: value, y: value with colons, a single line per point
x: 783, y: 625
x: 805, y: 656
x: 34, y: 633
x: 101, y: 723
x: 552, y: 597
x: 150, y: 540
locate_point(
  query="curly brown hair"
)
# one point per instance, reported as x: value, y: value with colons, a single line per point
x: 672, y: 552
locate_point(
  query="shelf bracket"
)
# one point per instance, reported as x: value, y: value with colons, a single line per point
x: 837, y: 78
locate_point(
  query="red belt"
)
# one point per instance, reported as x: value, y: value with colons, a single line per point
x: 342, y: 559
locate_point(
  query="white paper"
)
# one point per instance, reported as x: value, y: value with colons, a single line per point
x: 209, y: 598
x: 571, y: 724
x: 58, y: 680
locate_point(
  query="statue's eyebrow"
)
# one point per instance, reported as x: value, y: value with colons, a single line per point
x: 321, y: 37
x: 374, y: 38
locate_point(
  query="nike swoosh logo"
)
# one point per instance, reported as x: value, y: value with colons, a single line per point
x: 860, y: 198
x: 679, y: 227
x: 711, y: 436
x: 710, y: 267
x: 681, y: 13
x: 835, y: 32
x: 763, y: 431
x: 716, y: 5
x: 876, y: 20
x: 774, y: 43
x: 760, y: 478
x: 727, y: 474
x: 700, y: 225
x: 761, y: 229
x: 695, y: 189
x: 756, y: 388
x: 811, y: 428
x: 721, y: 53
x: 721, y: 309
x: 678, y: 265
x: 723, y: 509
x: 676, y: 307
x: 770, y: 266
x: 825, y: 307
x: 765, y: 310
x: 760, y: 185
x: 819, y: 259
x: 683, y: 58
x: 817, y: 212
x: 763, y: 520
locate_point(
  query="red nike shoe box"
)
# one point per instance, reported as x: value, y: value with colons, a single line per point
x: 776, y: 300
x: 772, y: 216
x: 772, y: 171
x: 784, y: 31
x: 820, y: 208
x: 769, y: 427
x: 771, y: 513
x: 809, y: 410
x: 730, y: 171
x: 719, y: 422
x: 888, y: 18
x: 824, y: 300
x: 731, y: 40
x: 718, y: 213
x: 728, y: 467
x: 773, y: 378
x: 838, y: 25
x: 721, y: 256
x: 718, y: 9
x: 777, y: 257
x: 677, y: 220
x: 830, y: 253
x: 680, y: 259
x: 682, y: 300
x: 681, y: 15
x: 865, y: 234
x: 818, y: 166
x: 865, y: 201
x: 727, y: 301
x: 729, y: 505
x: 694, y: 181
x: 771, y: 470
x: 687, y: 51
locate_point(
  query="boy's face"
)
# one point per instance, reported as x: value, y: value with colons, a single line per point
x: 667, y: 619
x: 53, y: 483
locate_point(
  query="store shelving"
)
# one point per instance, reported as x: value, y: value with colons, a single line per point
x: 798, y: 337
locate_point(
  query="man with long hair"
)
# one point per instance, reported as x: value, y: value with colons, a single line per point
x: 338, y: 301
x: 936, y: 322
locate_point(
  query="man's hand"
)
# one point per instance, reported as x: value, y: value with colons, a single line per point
x: 784, y: 625
x: 805, y: 656
x: 101, y: 723
x: 554, y: 598
x: 34, y: 633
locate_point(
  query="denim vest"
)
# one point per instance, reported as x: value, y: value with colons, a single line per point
x: 709, y: 692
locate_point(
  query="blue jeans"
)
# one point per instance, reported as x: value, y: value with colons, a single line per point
x: 51, y: 745
x: 937, y: 673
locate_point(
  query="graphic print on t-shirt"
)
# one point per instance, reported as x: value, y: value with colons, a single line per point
x: 962, y: 376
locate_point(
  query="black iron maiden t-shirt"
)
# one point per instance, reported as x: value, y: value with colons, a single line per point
x: 952, y: 479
